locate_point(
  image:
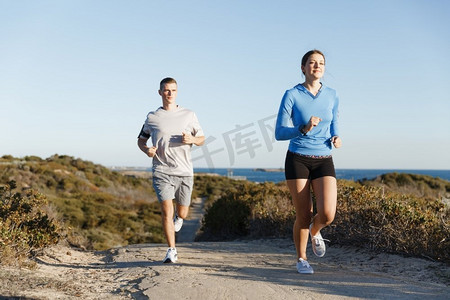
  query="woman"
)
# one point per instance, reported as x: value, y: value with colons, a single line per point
x: 308, y: 117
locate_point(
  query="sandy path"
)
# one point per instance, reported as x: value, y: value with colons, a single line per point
x: 192, y: 224
x: 262, y: 269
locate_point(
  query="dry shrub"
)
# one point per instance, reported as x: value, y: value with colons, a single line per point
x: 369, y: 217
x: 24, y: 225
x: 272, y: 212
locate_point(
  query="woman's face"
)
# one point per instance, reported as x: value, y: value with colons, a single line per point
x: 314, y: 67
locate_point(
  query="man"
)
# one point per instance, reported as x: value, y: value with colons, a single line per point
x: 173, y: 130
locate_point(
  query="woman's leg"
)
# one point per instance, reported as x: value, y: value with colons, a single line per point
x: 301, y: 199
x: 325, y: 191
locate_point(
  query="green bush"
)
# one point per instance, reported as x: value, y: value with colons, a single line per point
x: 228, y: 217
x: 247, y: 210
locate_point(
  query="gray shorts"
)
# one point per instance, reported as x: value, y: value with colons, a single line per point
x: 169, y: 187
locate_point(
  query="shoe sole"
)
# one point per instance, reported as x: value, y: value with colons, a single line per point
x: 318, y: 255
x: 169, y: 261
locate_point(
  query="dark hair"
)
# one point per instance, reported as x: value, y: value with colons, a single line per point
x: 166, y: 81
x: 308, y: 54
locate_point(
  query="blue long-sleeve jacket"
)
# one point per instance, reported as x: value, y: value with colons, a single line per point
x: 297, y: 107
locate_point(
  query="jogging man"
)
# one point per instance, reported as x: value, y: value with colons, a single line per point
x: 173, y: 130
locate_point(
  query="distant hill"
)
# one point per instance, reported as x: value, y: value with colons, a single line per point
x: 101, y: 208
x: 412, y: 184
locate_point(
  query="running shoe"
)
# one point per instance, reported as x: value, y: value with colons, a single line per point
x: 178, y: 223
x: 171, y: 256
x: 318, y: 243
x: 303, y: 267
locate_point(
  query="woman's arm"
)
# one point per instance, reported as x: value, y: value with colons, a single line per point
x: 284, y: 130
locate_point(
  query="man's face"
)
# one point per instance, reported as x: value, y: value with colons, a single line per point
x: 169, y: 93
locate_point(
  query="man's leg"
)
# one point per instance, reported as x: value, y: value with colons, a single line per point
x: 183, y: 195
x: 182, y: 211
x: 167, y: 222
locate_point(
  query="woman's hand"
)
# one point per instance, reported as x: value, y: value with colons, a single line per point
x: 337, y: 142
x: 313, y: 121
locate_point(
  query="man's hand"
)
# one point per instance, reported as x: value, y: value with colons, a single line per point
x: 142, y: 144
x: 188, y: 138
x: 151, y: 151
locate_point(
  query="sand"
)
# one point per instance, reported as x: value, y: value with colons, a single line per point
x: 258, y: 269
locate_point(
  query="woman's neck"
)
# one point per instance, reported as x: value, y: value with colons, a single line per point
x: 313, y: 86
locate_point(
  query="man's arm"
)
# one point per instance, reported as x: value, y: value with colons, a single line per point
x: 142, y: 144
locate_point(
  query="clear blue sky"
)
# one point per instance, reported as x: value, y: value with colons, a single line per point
x: 78, y: 77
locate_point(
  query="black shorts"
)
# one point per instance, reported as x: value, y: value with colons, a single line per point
x: 299, y: 166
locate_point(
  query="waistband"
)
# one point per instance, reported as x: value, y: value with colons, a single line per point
x: 311, y: 156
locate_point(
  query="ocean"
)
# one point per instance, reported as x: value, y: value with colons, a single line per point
x: 274, y: 175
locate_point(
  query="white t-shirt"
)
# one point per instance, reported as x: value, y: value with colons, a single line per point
x: 165, y: 128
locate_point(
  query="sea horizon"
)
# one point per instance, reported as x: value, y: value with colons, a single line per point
x: 261, y: 174
x: 277, y: 174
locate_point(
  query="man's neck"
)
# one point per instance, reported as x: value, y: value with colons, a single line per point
x: 169, y: 106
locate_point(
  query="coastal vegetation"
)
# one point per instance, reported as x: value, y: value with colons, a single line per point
x: 25, y: 226
x: 63, y: 198
x: 397, y: 213
x: 94, y: 207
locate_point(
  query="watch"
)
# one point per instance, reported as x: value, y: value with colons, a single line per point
x: 302, y: 131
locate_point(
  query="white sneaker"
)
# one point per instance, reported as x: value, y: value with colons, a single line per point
x: 171, y: 256
x: 178, y: 223
x: 303, y: 267
x: 318, y: 243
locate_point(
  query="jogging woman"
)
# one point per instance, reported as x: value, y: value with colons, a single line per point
x: 308, y: 117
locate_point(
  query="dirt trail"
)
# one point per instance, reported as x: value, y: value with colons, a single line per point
x: 261, y: 269
x: 258, y: 269
x: 192, y: 224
